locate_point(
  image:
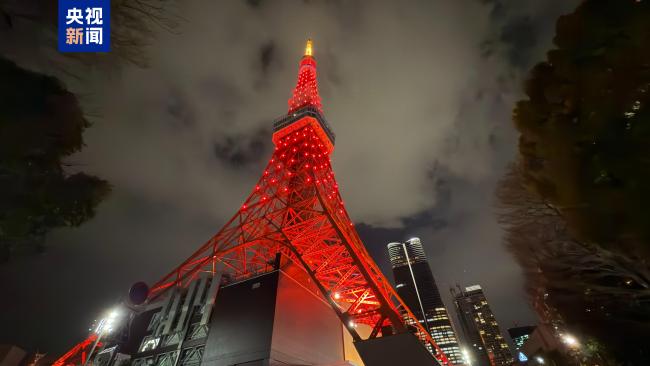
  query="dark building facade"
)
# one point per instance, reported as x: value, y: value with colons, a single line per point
x: 416, y: 285
x: 264, y: 320
x: 486, y: 345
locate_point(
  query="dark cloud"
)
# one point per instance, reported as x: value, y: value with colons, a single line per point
x: 420, y: 109
x: 241, y: 151
x: 180, y: 110
x: 521, y: 38
x: 254, y: 3
x: 267, y: 54
x: 522, y: 29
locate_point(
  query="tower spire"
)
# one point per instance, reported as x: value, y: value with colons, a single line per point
x: 305, y: 94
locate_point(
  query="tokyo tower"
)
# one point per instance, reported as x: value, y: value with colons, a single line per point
x: 293, y: 220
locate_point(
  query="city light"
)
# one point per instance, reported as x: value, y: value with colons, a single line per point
x: 337, y: 295
x: 467, y: 357
x: 108, y: 323
x: 570, y: 341
x: 539, y: 360
x: 105, y: 326
x: 522, y: 357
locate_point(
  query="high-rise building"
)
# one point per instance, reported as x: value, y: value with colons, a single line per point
x: 417, y: 287
x: 487, y: 347
x: 519, y: 335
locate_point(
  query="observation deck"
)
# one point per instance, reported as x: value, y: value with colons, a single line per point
x: 300, y: 118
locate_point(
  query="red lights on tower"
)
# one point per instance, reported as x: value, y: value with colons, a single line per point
x: 296, y: 211
x: 78, y: 354
x: 306, y: 91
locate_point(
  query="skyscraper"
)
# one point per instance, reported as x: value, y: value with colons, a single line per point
x: 481, y: 330
x: 417, y: 287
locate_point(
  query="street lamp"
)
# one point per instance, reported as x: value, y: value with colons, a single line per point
x: 108, y: 323
x: 539, y: 360
x: 105, y: 326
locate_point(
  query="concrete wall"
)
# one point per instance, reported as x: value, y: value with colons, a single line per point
x: 306, y: 329
x: 241, y: 327
x: 274, y: 319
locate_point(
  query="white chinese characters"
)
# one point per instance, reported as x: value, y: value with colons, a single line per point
x: 90, y: 32
x: 74, y: 16
x: 94, y: 35
x: 94, y: 16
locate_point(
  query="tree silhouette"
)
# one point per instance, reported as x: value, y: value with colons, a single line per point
x: 575, y: 207
x: 41, y: 123
x: 580, y: 288
x: 586, y: 124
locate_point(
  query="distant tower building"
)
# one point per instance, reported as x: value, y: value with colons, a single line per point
x: 519, y: 335
x: 416, y: 286
x: 481, y: 329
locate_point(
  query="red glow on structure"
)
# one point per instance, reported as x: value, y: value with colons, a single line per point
x: 77, y: 355
x: 306, y: 91
x: 296, y: 210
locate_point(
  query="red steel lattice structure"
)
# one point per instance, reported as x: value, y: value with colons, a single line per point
x: 79, y: 353
x: 296, y: 211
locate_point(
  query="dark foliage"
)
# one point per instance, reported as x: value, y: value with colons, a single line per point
x: 41, y: 123
x: 586, y: 125
x: 582, y: 289
x: 576, y: 206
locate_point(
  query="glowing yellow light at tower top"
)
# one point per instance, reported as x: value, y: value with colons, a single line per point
x: 308, y: 48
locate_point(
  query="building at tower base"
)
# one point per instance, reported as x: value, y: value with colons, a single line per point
x: 267, y: 320
x: 275, y: 319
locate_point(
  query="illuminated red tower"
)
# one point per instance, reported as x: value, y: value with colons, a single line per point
x: 295, y: 213
x: 306, y: 91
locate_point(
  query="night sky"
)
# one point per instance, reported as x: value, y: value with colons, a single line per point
x: 419, y: 94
